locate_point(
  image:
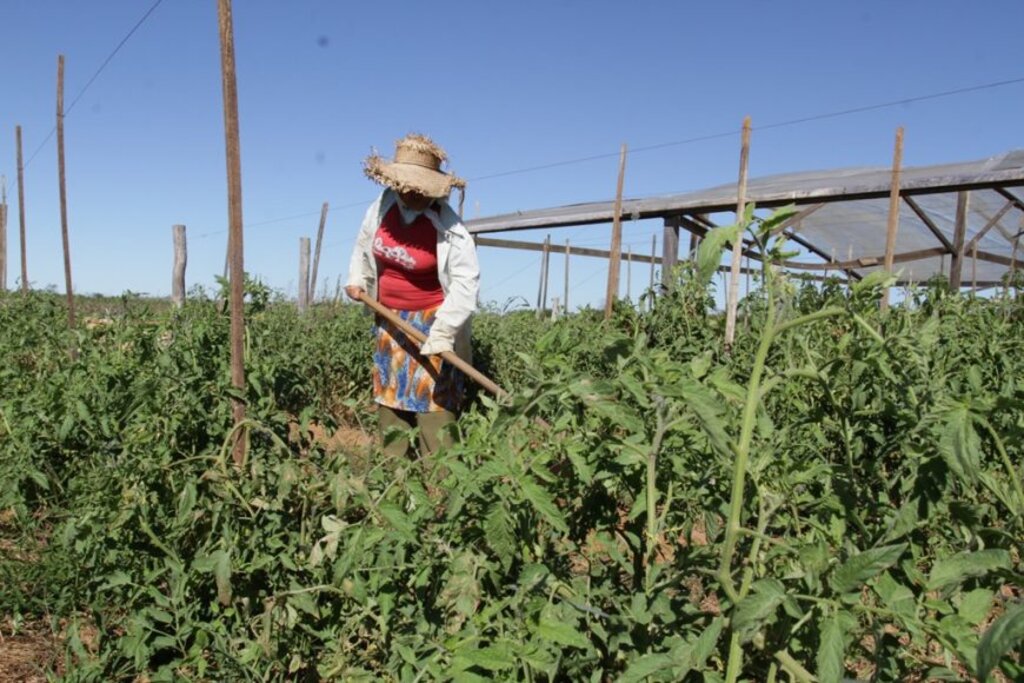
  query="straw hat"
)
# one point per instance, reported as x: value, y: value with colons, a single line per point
x: 415, y: 168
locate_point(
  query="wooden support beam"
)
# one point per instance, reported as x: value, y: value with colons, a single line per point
x: 302, y: 300
x: 956, y: 265
x: 929, y: 223
x: 894, y: 210
x: 180, y: 262
x: 64, y: 198
x: 21, y: 211
x: 612, y: 291
x: 1009, y: 196
x: 316, y: 254
x: 539, y: 246
x: 669, y: 252
x: 235, y: 238
x: 992, y: 222
x: 732, y: 295
x: 565, y: 298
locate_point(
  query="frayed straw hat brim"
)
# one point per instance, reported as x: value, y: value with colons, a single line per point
x: 411, y: 177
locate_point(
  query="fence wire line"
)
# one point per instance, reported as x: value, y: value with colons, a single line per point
x: 96, y: 75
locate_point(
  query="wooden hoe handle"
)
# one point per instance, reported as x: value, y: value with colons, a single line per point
x: 418, y: 336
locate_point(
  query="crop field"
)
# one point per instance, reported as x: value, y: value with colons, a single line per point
x: 837, y: 497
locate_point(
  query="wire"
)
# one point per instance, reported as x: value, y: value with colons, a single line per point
x: 95, y: 76
x: 780, y: 124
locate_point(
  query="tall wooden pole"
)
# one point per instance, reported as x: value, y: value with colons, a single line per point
x: 180, y: 262
x: 63, y: 192
x: 316, y: 256
x: 21, y: 212
x: 737, y: 247
x: 565, y: 293
x: 629, y: 272
x: 669, y: 252
x: 974, y: 267
x: 956, y: 264
x: 3, y: 234
x: 303, y: 294
x: 235, y: 239
x: 650, y: 286
x: 612, y: 292
x: 542, y: 286
x: 894, y: 211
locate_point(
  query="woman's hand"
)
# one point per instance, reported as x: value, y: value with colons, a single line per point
x: 355, y: 292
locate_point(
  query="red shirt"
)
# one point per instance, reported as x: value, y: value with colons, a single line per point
x: 406, y: 258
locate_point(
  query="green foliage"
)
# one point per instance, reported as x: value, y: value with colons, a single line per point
x: 875, y: 521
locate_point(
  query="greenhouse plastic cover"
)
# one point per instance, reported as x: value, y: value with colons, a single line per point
x: 852, y: 223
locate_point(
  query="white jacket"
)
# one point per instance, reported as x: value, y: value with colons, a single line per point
x: 457, y: 268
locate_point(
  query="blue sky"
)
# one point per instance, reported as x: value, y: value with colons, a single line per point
x: 502, y: 86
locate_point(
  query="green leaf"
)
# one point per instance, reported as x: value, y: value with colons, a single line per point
x: 757, y: 609
x: 561, y: 632
x: 499, y: 533
x: 953, y: 570
x: 647, y: 665
x: 222, y: 574
x: 1004, y: 635
x: 831, y: 650
x: 959, y: 444
x: 398, y: 520
x: 496, y: 657
x: 709, y: 254
x: 867, y: 565
x: 975, y: 606
x: 541, y: 501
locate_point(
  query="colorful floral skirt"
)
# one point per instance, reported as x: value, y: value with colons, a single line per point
x: 405, y: 380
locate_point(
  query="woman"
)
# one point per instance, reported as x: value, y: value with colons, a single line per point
x: 414, y: 255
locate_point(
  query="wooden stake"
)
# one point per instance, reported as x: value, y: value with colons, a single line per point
x: 650, y: 286
x: 180, y: 261
x: 462, y: 200
x: 956, y: 263
x: 21, y: 211
x: 974, y: 267
x: 565, y: 297
x: 3, y: 233
x: 669, y: 252
x: 894, y: 212
x: 612, y: 292
x: 64, y: 196
x: 737, y: 247
x: 316, y: 256
x: 542, y: 286
x: 303, y: 294
x: 235, y: 237
x: 629, y: 273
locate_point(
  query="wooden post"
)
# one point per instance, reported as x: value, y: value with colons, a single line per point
x: 542, y: 287
x: 650, y: 285
x: 565, y: 293
x: 3, y: 234
x: 737, y: 247
x: 956, y: 263
x: 316, y: 255
x: 303, y: 293
x: 612, y: 292
x: 629, y: 273
x: 21, y: 211
x: 462, y: 200
x: 64, y: 195
x: 974, y: 267
x: 235, y: 237
x: 180, y: 261
x: 669, y: 252
x: 894, y: 211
